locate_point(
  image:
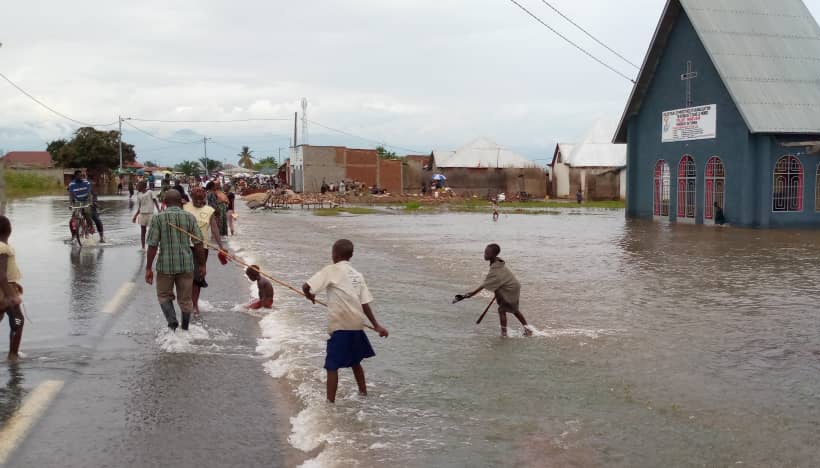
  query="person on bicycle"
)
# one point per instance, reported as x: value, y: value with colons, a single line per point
x: 80, y: 193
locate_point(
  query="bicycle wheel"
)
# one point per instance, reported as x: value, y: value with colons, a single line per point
x: 74, y: 227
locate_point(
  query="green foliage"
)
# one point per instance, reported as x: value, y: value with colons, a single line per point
x: 412, y: 206
x: 150, y: 164
x: 25, y: 184
x: 212, y: 164
x: 266, y: 162
x: 384, y: 154
x: 246, y: 158
x: 92, y: 149
x: 189, y: 168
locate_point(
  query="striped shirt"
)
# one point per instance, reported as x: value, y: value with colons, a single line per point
x: 175, y: 254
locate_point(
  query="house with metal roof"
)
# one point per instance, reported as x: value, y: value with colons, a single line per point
x: 724, y: 117
x: 595, y: 166
x: 483, y: 168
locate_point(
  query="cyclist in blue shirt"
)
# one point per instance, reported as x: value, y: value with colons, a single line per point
x: 81, y: 193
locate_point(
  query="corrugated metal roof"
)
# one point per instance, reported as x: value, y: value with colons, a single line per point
x: 766, y: 52
x: 595, y: 150
x: 481, y: 153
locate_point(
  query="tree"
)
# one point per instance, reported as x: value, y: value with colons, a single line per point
x: 211, y: 164
x: 266, y: 162
x: 92, y: 149
x: 188, y: 168
x: 150, y: 164
x: 246, y: 158
x: 384, y: 154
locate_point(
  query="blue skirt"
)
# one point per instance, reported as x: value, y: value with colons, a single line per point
x: 347, y: 348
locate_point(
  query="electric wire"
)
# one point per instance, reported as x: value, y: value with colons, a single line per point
x: 545, y: 2
x: 570, y: 42
x: 213, y: 121
x: 381, y: 143
x: 51, y: 109
x: 158, y: 137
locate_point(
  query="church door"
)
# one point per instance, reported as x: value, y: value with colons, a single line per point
x: 715, y: 189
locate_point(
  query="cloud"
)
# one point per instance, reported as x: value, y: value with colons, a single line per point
x: 415, y: 73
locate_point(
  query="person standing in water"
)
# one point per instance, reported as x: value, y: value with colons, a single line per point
x: 206, y: 221
x: 348, y: 302
x: 176, y: 263
x: 10, y: 286
x: 265, y: 289
x: 145, y: 209
x: 501, y: 281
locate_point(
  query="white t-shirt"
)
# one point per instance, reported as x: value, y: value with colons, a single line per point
x: 145, y: 202
x: 346, y: 292
x: 203, y: 218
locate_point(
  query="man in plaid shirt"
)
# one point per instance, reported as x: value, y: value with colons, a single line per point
x: 175, y: 266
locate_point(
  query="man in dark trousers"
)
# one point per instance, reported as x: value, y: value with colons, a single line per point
x: 506, y: 287
x: 175, y: 266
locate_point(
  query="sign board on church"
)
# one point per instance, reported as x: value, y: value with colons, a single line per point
x: 693, y: 123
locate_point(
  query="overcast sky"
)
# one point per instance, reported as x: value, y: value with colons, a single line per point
x: 417, y: 74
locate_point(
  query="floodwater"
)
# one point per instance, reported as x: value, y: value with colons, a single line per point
x: 656, y: 345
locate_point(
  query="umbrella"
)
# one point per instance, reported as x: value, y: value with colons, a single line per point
x: 439, y: 177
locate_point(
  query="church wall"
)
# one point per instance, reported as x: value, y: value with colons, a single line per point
x: 668, y: 92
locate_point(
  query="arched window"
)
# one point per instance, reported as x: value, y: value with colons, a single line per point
x: 687, y: 183
x: 817, y: 190
x: 661, y: 184
x: 787, y: 193
x: 715, y: 187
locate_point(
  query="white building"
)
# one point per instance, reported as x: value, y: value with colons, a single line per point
x: 596, y: 166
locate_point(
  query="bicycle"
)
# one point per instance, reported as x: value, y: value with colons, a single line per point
x: 79, y: 224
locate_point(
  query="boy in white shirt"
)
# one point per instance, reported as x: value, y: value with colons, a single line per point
x: 145, y: 209
x: 348, y: 303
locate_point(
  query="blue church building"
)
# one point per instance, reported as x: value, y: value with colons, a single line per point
x: 725, y: 115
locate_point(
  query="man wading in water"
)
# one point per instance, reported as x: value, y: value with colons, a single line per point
x: 506, y: 287
x: 175, y: 267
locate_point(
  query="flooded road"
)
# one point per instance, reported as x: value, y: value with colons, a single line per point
x: 655, y: 346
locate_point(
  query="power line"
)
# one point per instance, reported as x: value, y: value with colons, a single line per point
x: 158, y: 137
x: 50, y: 109
x: 589, y: 34
x: 213, y: 121
x: 365, y: 138
x: 568, y: 40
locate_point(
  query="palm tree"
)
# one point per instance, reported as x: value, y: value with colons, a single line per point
x: 246, y: 158
x: 188, y: 168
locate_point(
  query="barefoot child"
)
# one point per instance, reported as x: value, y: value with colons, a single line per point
x: 506, y: 287
x: 348, y: 302
x: 11, y: 290
x: 265, y: 289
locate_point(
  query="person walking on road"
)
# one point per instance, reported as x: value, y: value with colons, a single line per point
x: 145, y: 209
x: 11, y: 290
x: 176, y: 263
x: 206, y: 221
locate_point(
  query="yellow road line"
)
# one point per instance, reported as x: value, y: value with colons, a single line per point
x: 20, y: 424
x: 115, y: 302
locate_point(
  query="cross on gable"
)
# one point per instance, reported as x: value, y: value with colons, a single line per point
x: 688, y: 76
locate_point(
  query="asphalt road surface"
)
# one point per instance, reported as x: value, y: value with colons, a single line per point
x: 102, y: 384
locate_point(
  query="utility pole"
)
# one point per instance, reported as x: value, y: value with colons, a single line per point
x: 295, y: 119
x: 119, y: 119
x: 205, y: 145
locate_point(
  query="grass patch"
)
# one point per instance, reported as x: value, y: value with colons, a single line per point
x: 355, y: 210
x: 24, y: 184
x: 412, y: 206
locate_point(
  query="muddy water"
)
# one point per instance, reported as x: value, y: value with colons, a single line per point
x: 656, y: 345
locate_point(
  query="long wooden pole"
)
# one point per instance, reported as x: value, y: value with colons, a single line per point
x: 252, y: 267
x: 485, y: 311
